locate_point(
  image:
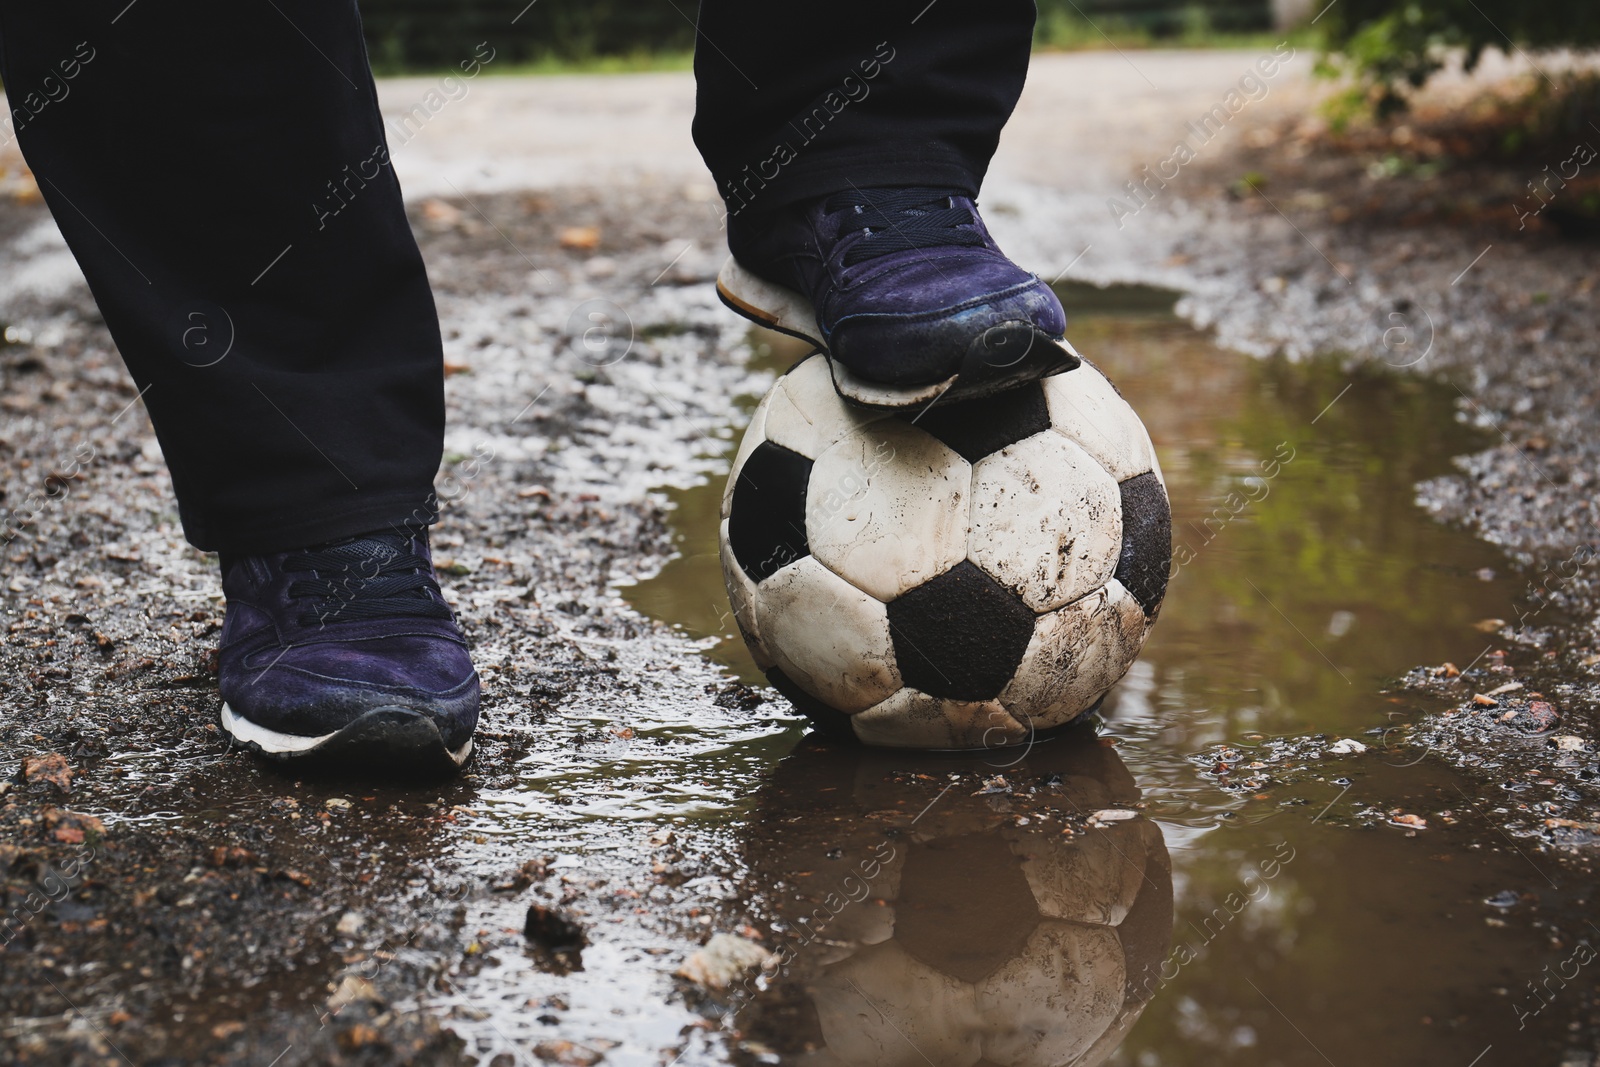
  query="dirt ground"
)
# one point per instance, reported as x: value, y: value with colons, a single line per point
x: 176, y: 901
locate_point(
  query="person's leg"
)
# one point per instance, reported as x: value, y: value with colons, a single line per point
x: 849, y: 142
x: 797, y: 101
x: 220, y: 172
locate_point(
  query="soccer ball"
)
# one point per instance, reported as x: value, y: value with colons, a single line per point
x: 960, y: 577
x: 944, y: 914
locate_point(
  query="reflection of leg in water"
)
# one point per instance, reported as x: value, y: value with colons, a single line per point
x: 973, y: 929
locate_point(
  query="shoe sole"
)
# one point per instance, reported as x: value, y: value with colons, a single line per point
x: 783, y: 309
x: 380, y: 737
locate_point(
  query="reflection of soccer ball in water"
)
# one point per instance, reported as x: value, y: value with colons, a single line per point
x: 956, y: 578
x: 960, y: 927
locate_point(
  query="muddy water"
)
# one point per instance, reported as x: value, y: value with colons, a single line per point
x: 1296, y: 906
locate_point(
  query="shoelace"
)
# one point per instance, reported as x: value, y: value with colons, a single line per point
x: 366, y: 578
x: 900, y: 219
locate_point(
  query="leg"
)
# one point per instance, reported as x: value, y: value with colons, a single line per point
x: 849, y: 144
x: 220, y: 171
x: 798, y: 101
x: 221, y: 174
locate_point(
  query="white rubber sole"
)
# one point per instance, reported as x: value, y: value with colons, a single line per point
x: 780, y: 308
x: 414, y: 740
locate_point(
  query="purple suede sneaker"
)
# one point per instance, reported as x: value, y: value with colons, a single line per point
x: 902, y: 289
x: 346, y: 651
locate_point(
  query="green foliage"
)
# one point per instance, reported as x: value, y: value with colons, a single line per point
x: 1391, y: 47
x: 416, y: 35
x: 1082, y: 24
x: 427, y: 35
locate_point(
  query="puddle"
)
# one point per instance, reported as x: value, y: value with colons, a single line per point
x: 1305, y: 926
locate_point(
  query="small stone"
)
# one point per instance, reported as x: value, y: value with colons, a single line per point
x: 1409, y: 821
x: 350, y: 924
x: 723, y: 960
x: 1113, y: 815
x: 548, y: 928
x: 1484, y: 701
x: 1568, y: 743
x: 336, y: 804
x: 1346, y: 746
x: 661, y: 837
x: 223, y: 1031
x: 1509, y: 687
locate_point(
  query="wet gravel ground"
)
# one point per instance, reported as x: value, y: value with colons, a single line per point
x: 189, y: 902
x: 170, y: 899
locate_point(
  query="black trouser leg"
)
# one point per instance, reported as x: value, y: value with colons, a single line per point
x: 801, y: 100
x: 220, y: 172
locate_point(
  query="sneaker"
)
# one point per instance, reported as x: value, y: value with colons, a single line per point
x: 346, y: 651
x: 903, y: 290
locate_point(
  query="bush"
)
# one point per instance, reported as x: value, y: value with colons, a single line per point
x: 1394, y: 46
x: 437, y: 34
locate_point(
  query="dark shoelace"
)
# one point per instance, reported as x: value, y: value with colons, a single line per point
x: 897, y: 220
x: 373, y: 577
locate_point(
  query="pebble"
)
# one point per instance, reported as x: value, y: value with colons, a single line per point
x: 723, y: 960
x: 549, y: 928
x: 1346, y: 746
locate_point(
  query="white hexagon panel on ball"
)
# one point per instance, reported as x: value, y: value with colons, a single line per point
x: 1046, y: 520
x: 827, y: 636
x: 886, y: 508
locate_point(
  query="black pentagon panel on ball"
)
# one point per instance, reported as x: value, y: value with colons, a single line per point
x: 1146, y: 558
x: 964, y: 907
x: 959, y: 635
x: 978, y: 428
x: 767, y: 520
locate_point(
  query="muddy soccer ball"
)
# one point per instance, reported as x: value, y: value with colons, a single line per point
x: 959, y: 577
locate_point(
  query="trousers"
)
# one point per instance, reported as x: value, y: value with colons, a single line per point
x: 291, y: 364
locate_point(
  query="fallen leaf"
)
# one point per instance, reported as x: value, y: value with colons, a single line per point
x: 567, y: 1052
x: 351, y: 989
x: 579, y: 238
x: 51, y: 768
